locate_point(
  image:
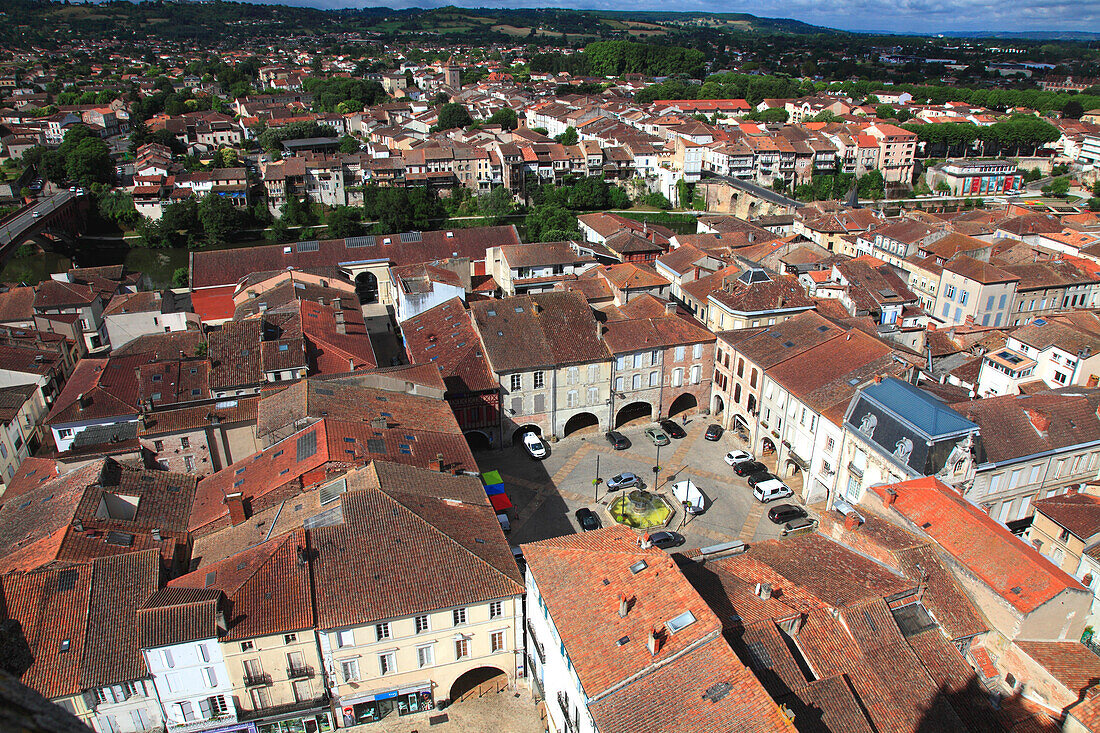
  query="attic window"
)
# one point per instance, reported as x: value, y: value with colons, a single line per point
x: 926, y: 525
x: 490, y: 312
x: 284, y: 347
x: 1017, y: 590
x: 622, y: 641
x: 519, y: 309
x: 638, y: 567
x: 156, y: 377
x: 822, y: 329
x: 120, y: 539
x: 681, y: 622
x: 64, y: 645
x: 238, y: 482
x: 716, y: 692
x: 788, y: 344
x: 211, y: 577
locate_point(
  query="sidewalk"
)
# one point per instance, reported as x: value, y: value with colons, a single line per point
x: 510, y: 710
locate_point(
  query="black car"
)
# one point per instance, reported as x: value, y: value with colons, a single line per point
x: 785, y: 513
x: 760, y: 477
x: 588, y: 519
x: 617, y: 440
x: 748, y: 468
x: 714, y: 431
x: 665, y: 540
x: 673, y: 429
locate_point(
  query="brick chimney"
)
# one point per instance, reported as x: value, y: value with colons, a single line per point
x: 436, y: 464
x: 852, y: 522
x: 654, y: 642
x: 670, y: 308
x: 624, y: 606
x: 235, y: 502
x: 891, y: 497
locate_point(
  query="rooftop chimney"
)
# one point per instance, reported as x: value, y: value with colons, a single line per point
x: 645, y: 542
x: 436, y: 464
x: 764, y: 590
x: 235, y: 502
x: 336, y: 303
x: 670, y: 308
x: 78, y: 525
x: 301, y: 556
x: 82, y: 401
x: 624, y: 607
x: 654, y: 642
x: 156, y: 534
x: 779, y: 302
x: 891, y: 497
x: 852, y: 522
x: 378, y: 423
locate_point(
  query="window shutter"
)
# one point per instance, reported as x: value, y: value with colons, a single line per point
x: 204, y: 706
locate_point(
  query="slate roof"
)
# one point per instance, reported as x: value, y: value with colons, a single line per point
x: 917, y: 407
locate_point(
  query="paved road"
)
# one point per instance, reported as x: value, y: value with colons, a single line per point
x: 547, y: 493
x: 16, y: 226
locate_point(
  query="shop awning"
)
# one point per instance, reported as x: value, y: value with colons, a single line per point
x: 491, y: 477
x: 494, y: 489
x: 500, y: 502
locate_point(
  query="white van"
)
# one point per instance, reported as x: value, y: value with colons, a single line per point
x: 771, y: 490
x: 690, y: 497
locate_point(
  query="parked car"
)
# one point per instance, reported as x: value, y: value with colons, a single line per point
x: 766, y: 491
x: 799, y: 526
x: 785, y: 513
x: 760, y: 477
x: 623, y: 480
x: 665, y: 540
x: 714, y: 431
x: 617, y: 440
x: 739, y: 456
x: 748, y: 468
x: 505, y: 524
x: 534, y: 446
x: 657, y: 436
x: 588, y: 519
x: 690, y: 497
x: 517, y: 555
x: 673, y: 429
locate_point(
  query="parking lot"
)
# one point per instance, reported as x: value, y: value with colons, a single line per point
x: 547, y: 493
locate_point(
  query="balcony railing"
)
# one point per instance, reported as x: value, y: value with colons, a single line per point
x: 256, y: 680
x: 855, y: 471
x: 290, y: 707
x: 297, y: 673
x: 563, y: 704
x: 538, y: 644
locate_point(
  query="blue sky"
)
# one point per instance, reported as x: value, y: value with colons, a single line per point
x: 923, y: 16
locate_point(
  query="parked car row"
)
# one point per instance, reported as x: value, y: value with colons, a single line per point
x: 765, y: 486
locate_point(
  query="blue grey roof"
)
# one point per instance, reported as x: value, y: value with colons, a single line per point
x: 922, y: 410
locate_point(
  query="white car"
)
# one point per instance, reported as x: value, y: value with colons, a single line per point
x: 738, y: 456
x: 771, y: 490
x: 533, y: 444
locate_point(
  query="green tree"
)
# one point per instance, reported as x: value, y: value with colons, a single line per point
x: 550, y: 223
x: 180, y: 277
x: 349, y: 145
x: 452, y: 115
x: 569, y: 137
x: 505, y: 117
x: 885, y: 112
x: 1059, y: 187
x: 219, y: 218
x: 775, y: 114
x: 872, y: 186
x: 344, y: 221
x: 117, y: 207
x: 495, y: 204
x: 1073, y: 109
x: 684, y: 193
x: 88, y: 161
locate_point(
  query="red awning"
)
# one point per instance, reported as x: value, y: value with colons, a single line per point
x: 500, y: 502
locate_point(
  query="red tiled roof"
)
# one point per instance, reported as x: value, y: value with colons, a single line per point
x: 267, y: 586
x: 109, y: 387
x: 214, y: 303
x: 120, y: 585
x: 445, y: 336
x: 55, y: 669
x: 178, y: 615
x: 1011, y: 568
x: 226, y: 267
x: 1073, y: 664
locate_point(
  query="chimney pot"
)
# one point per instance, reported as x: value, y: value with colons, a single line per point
x: 851, y: 522
x: 891, y: 497
x: 436, y: 464
x: 654, y: 643
x: 624, y: 607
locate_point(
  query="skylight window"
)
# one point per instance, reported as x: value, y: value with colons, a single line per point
x: 638, y: 567
x: 681, y: 622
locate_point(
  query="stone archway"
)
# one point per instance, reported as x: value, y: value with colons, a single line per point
x: 478, y: 440
x: 517, y: 437
x: 584, y: 422
x: 687, y: 402
x: 366, y: 287
x: 478, y: 682
x: 634, y: 412
x: 718, y: 407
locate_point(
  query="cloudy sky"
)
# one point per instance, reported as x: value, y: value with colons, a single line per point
x: 923, y: 16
